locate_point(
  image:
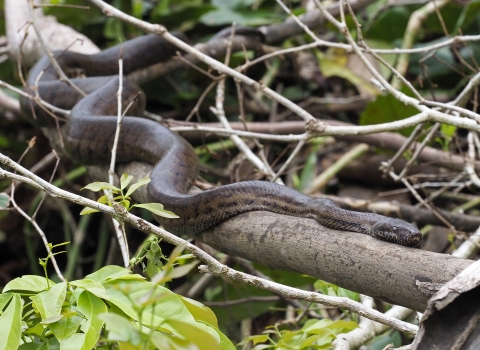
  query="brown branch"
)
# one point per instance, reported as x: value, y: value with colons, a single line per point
x: 354, y: 261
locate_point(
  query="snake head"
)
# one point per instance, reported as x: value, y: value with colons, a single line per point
x: 397, y: 231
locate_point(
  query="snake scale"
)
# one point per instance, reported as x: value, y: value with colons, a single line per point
x: 89, y: 131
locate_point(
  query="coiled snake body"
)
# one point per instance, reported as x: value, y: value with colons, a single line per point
x: 89, y: 132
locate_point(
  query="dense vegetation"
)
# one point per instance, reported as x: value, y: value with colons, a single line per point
x: 329, y: 83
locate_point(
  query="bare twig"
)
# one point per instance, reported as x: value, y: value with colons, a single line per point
x: 120, y: 228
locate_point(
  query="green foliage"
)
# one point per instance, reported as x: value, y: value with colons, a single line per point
x: 314, y: 334
x: 124, y: 199
x: 127, y: 309
x: 185, y: 14
x: 451, y: 239
x: 447, y: 132
x: 238, y: 11
x: 467, y: 18
x: 150, y: 257
x: 386, y: 109
x: 335, y: 62
x: 335, y: 291
x: 154, y: 263
x: 396, y: 20
x: 308, y: 172
x: 10, y: 321
x: 380, y: 342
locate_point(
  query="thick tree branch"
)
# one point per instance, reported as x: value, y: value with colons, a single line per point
x: 351, y: 260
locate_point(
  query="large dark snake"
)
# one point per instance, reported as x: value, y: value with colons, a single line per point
x: 89, y: 132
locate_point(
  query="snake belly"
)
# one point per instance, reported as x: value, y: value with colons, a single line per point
x: 89, y: 131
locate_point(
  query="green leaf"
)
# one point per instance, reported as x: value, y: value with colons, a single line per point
x: 395, y: 20
x: 99, y: 185
x: 263, y: 346
x: 160, y: 303
x: 225, y: 343
x: 342, y: 326
x: 92, y: 286
x: 132, y: 277
x: 160, y: 308
x: 222, y: 16
x: 28, y: 283
x: 113, y: 29
x: 152, y: 269
x: 125, y: 203
x: 125, y: 180
x: 386, y: 109
x: 108, y: 272
x: 182, y: 270
x: 37, y: 327
x: 4, y: 299
x: 342, y: 292
x: 73, y: 342
x: 31, y: 346
x: 468, y: 16
x: 86, y: 211
x: 448, y: 130
x: 381, y: 341
x: 142, y: 182
x: 166, y: 341
x: 137, y: 8
x: 91, y: 306
x: 49, y: 303
x: 103, y: 199
x: 318, y: 339
x: 4, y: 200
x: 157, y: 209
x: 10, y: 325
x: 66, y: 327
x: 336, y: 62
x: 255, y: 339
x: 52, y: 319
x: 309, y: 171
x: 203, y: 336
x: 120, y: 328
x: 313, y: 326
x: 199, y: 311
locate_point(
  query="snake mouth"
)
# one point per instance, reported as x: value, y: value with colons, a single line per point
x: 391, y: 237
x: 414, y: 240
x: 408, y: 240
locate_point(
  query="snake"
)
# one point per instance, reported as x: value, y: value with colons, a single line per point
x: 89, y: 131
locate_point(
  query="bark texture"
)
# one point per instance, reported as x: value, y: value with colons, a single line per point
x: 354, y: 261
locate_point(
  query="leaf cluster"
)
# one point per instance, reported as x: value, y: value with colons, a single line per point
x: 159, y: 268
x: 109, y: 307
x: 314, y: 334
x: 123, y: 198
